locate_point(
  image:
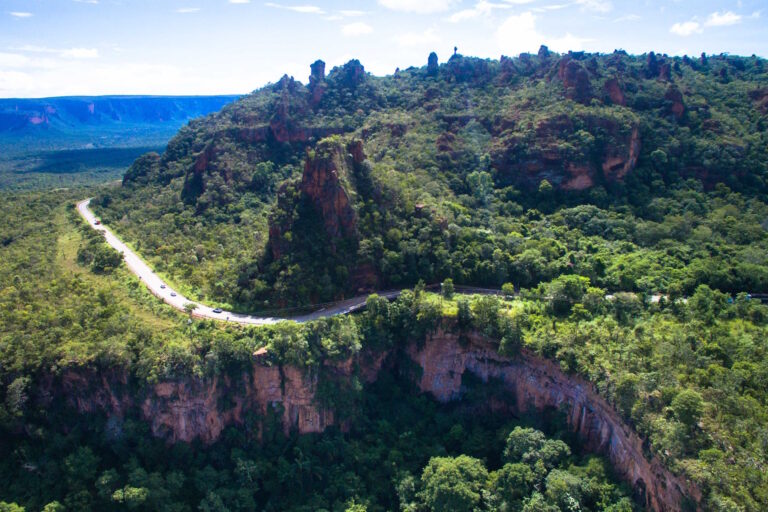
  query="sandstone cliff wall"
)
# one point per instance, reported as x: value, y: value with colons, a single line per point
x: 191, y: 409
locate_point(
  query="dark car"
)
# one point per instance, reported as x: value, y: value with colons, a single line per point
x: 162, y: 286
x: 173, y: 294
x: 217, y: 310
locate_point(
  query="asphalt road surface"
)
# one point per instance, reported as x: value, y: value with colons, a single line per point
x: 160, y: 289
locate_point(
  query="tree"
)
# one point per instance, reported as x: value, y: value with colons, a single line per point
x: 521, y: 441
x: 464, y: 315
x: 707, y: 304
x: 532, y: 446
x: 564, y: 489
x: 565, y: 291
x: 626, y: 392
x: 447, y: 288
x: 189, y: 308
x: 454, y: 484
x: 513, y: 482
x: 481, y: 185
x: 538, y: 503
x: 688, y: 406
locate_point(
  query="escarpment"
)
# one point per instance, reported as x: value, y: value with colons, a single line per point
x: 199, y: 409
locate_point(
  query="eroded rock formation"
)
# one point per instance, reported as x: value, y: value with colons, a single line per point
x: 575, y: 80
x: 325, y: 185
x: 521, y: 163
x: 189, y: 409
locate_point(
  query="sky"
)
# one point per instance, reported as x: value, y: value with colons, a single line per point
x: 189, y: 47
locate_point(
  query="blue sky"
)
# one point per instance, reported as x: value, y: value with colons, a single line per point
x: 66, y: 47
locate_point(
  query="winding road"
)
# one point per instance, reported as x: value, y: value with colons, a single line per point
x: 173, y: 298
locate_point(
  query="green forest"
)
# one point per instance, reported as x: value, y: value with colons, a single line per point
x: 619, y: 202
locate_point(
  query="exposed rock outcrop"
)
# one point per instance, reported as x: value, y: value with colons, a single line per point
x: 432, y: 66
x: 675, y: 101
x: 523, y: 164
x: 760, y: 98
x: 615, y: 92
x: 184, y: 410
x: 317, y: 84
x: 537, y: 384
x: 326, y: 185
x: 575, y: 80
x: 325, y: 170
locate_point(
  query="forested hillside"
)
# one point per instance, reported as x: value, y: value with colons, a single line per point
x: 644, y: 173
x: 620, y: 201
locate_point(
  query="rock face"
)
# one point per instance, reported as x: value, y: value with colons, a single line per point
x: 675, y: 99
x: 523, y: 164
x: 322, y: 184
x: 325, y: 184
x: 432, y: 66
x: 317, y: 84
x: 537, y: 384
x: 760, y: 98
x: 190, y: 409
x: 575, y: 80
x: 615, y: 92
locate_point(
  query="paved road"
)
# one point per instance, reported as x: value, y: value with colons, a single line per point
x: 177, y: 300
x: 174, y: 298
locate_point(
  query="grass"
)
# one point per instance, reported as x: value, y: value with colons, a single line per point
x: 123, y: 284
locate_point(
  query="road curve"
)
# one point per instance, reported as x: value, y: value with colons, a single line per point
x: 175, y: 299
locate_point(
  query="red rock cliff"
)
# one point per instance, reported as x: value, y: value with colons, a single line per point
x: 325, y: 184
x: 538, y: 384
x: 191, y: 409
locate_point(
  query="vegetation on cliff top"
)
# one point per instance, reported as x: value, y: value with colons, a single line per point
x: 646, y: 173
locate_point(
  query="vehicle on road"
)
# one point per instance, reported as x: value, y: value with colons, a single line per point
x: 173, y: 294
x: 162, y: 286
x: 97, y: 222
x: 217, y: 310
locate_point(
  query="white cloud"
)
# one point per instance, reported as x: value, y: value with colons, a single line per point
x: 567, y: 43
x: 356, y: 29
x: 481, y: 8
x: 551, y: 7
x: 187, y: 10
x: 19, y: 14
x: 756, y: 14
x: 720, y: 19
x: 412, y: 39
x: 716, y: 19
x: 596, y: 5
x: 304, y: 9
x: 628, y: 17
x: 13, y: 60
x: 67, y: 53
x: 518, y: 34
x: 93, y: 2
x: 80, y: 53
x: 686, y: 28
x: 349, y: 13
x: 418, y: 6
